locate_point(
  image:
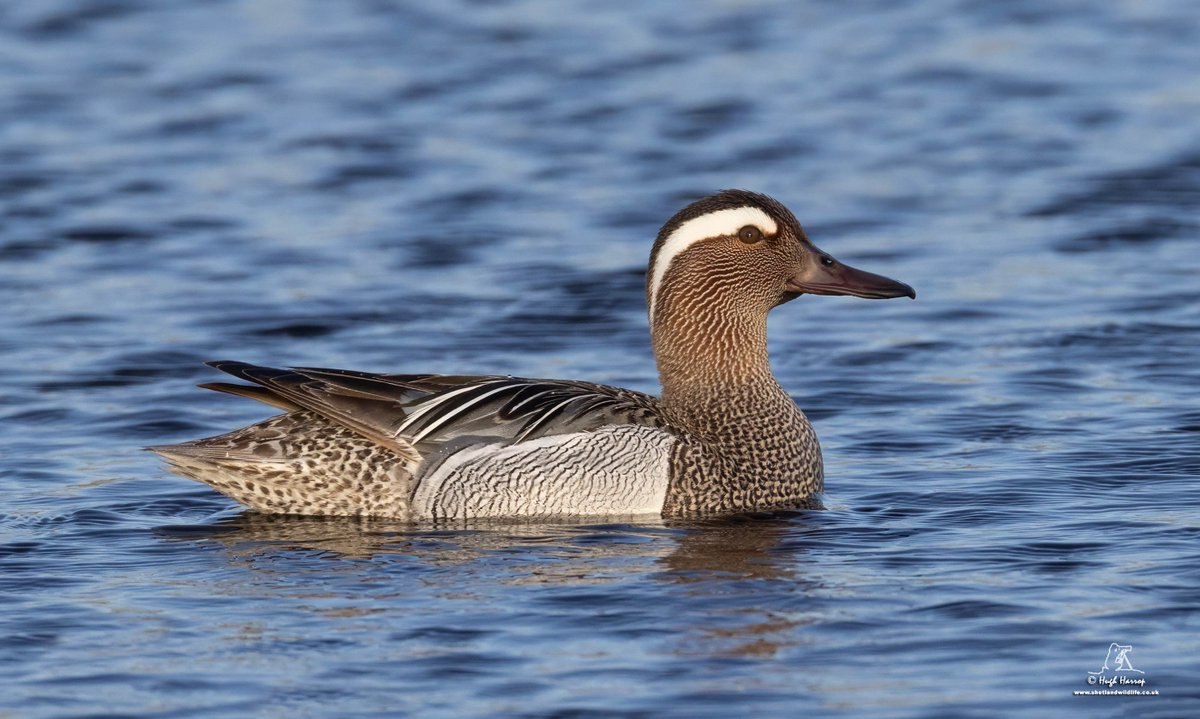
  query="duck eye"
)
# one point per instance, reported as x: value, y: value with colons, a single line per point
x: 750, y: 234
x: 827, y: 260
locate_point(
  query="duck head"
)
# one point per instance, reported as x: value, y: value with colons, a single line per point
x: 746, y: 251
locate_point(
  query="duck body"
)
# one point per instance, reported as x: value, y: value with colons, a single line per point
x: 724, y: 436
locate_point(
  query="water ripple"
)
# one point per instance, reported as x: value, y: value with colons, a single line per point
x: 1011, y: 460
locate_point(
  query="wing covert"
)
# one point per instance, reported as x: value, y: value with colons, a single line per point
x: 426, y: 411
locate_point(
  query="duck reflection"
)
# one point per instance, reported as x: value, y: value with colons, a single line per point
x: 739, y: 546
x: 250, y: 534
x: 745, y: 592
x: 685, y: 552
x: 736, y: 580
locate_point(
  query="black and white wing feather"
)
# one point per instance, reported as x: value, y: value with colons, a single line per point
x: 426, y: 411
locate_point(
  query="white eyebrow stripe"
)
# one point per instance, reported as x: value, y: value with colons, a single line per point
x: 714, y: 224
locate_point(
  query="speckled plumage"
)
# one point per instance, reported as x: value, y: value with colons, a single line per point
x: 300, y: 463
x: 723, y: 437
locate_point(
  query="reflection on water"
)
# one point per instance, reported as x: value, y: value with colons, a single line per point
x: 1011, y: 461
x: 684, y: 552
x: 705, y: 558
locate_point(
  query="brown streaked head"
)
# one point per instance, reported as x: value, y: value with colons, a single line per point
x: 748, y: 251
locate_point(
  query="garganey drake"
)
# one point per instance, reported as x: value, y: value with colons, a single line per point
x: 722, y: 437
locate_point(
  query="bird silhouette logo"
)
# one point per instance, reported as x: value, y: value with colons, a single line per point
x: 1118, y: 660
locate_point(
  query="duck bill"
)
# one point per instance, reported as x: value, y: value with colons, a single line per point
x: 836, y: 278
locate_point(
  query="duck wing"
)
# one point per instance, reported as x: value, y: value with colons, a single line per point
x: 427, y: 411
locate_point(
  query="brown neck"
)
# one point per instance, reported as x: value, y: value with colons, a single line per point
x: 743, y: 443
x: 712, y: 361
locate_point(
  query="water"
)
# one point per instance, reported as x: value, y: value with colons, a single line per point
x: 1013, y: 469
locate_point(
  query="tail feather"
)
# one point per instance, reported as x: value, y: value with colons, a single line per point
x: 261, y: 491
x: 255, y: 392
x: 299, y: 463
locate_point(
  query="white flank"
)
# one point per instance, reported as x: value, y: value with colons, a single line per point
x: 714, y: 224
x: 615, y: 470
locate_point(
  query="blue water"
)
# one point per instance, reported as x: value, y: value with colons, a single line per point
x: 1013, y: 460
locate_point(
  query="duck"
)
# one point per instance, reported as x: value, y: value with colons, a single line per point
x: 722, y: 437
